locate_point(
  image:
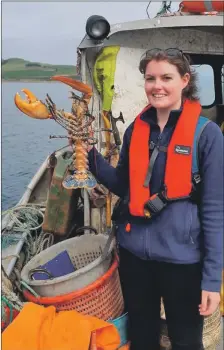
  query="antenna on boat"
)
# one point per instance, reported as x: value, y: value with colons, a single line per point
x: 166, y: 7
x: 147, y: 9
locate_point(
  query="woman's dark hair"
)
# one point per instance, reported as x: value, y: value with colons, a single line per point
x: 178, y: 59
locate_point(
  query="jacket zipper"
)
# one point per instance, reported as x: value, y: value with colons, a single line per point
x: 191, y: 221
x: 188, y: 237
x: 149, y: 242
x: 145, y: 244
x: 160, y: 136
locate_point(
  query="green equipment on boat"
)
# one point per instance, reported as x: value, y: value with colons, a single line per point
x: 103, y: 74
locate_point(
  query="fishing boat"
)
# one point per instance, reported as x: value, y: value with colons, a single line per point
x: 108, y: 56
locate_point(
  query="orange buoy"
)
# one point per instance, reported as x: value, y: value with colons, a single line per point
x: 222, y: 295
x: 202, y: 6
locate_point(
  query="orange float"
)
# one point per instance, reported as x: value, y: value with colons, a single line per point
x: 202, y: 6
x: 222, y: 295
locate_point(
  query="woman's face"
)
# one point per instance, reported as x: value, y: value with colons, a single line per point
x: 164, y: 85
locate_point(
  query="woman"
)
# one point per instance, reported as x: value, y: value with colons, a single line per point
x: 169, y: 230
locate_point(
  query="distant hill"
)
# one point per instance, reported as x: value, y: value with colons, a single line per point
x: 20, y: 69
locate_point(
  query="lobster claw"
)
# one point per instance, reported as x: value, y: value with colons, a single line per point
x: 32, y: 107
x: 76, y: 85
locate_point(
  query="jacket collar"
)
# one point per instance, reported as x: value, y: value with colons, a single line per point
x: 150, y: 117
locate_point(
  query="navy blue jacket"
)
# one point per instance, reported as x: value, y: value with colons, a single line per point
x: 183, y: 232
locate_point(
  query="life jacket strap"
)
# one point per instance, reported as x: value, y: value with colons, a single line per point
x: 155, y: 148
x: 152, y: 145
x: 150, y: 167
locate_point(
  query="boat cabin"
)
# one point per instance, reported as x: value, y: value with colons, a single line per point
x: 200, y: 36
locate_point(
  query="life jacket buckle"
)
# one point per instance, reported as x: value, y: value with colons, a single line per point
x: 154, y: 205
x: 195, y: 194
x: 152, y: 145
x: 197, y: 179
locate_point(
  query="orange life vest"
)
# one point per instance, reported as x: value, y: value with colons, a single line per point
x: 178, y: 172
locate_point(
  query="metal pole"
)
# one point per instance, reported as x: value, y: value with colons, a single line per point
x: 85, y: 192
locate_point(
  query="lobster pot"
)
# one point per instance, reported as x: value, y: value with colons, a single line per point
x: 202, y: 6
x: 84, y: 253
x: 102, y: 298
x: 211, y: 332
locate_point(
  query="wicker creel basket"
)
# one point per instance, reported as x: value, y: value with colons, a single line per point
x: 85, y: 253
x: 211, y: 331
x: 102, y: 298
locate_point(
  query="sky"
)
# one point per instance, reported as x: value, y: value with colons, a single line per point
x: 49, y: 32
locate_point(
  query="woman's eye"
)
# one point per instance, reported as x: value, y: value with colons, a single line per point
x: 153, y: 79
x: 149, y: 79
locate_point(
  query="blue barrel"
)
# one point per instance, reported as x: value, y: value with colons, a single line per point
x: 121, y: 323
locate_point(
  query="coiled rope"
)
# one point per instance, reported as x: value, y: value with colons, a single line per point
x: 26, y: 222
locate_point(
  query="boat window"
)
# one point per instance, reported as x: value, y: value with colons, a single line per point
x: 206, y: 84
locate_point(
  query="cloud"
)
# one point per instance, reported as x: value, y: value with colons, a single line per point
x: 51, y: 31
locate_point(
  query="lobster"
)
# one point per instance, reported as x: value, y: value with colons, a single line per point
x: 77, y: 123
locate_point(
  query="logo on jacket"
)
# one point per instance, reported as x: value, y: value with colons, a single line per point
x: 186, y: 150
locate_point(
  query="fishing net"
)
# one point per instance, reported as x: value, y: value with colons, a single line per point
x: 22, y: 219
x: 24, y: 225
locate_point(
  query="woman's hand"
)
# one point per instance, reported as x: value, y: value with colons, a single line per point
x: 209, y: 302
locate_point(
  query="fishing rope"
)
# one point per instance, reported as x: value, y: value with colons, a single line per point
x: 8, y: 300
x: 24, y: 218
x: 7, y: 292
x: 26, y: 223
x: 37, y: 245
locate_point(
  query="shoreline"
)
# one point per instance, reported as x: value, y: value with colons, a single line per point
x: 32, y: 80
x: 27, y: 81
